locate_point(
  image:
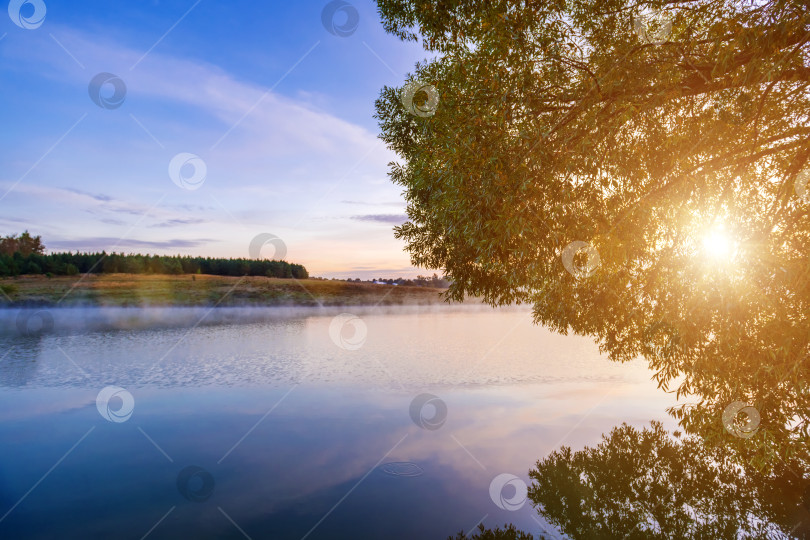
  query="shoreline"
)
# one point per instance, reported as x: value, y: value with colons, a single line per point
x: 202, y: 290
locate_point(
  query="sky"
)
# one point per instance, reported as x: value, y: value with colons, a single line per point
x: 192, y: 126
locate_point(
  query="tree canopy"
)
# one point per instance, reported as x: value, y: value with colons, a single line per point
x: 25, y: 244
x: 635, y: 171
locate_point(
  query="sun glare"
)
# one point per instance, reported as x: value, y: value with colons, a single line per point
x: 718, y: 245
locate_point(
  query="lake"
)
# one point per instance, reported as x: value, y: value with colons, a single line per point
x: 293, y: 423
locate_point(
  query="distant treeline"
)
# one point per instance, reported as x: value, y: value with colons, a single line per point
x: 25, y: 254
x: 418, y: 281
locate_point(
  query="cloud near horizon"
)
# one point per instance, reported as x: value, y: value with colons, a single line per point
x: 396, y: 219
x: 117, y: 245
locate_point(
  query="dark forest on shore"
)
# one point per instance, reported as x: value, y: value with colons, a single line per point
x: 25, y: 254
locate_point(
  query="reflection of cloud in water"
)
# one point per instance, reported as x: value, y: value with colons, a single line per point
x: 310, y: 451
x: 501, y: 430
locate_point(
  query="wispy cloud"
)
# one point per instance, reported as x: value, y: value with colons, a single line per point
x: 97, y: 196
x: 396, y: 219
x: 179, y: 222
x: 113, y: 221
x: 5, y: 219
x: 97, y: 204
x: 367, y: 203
x: 106, y: 243
x: 77, y: 198
x: 277, y: 126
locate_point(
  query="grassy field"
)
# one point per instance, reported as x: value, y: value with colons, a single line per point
x: 183, y: 290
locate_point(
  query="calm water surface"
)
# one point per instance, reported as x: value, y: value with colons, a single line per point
x: 263, y: 425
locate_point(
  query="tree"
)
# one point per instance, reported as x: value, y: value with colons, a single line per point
x: 583, y: 161
x: 32, y: 268
x: 650, y: 484
x: 24, y: 244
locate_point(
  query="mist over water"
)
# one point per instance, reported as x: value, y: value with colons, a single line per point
x: 399, y: 348
x: 92, y: 318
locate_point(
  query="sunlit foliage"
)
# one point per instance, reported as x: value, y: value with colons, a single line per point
x: 558, y: 121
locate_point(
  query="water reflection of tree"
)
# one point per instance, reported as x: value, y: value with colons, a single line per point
x: 19, y: 362
x: 650, y: 484
x: 509, y: 532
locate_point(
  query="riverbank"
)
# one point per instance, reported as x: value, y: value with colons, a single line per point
x: 129, y: 290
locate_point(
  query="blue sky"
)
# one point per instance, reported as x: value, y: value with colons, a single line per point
x: 277, y: 108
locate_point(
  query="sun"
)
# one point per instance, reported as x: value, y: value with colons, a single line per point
x: 718, y: 244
